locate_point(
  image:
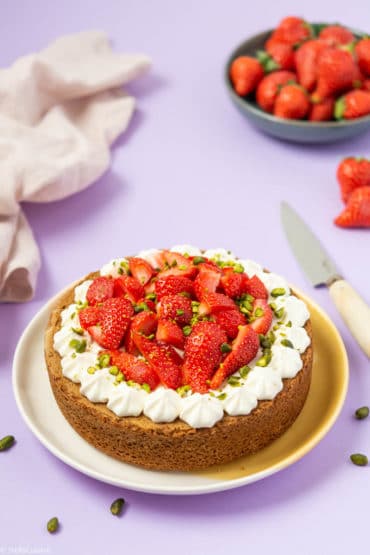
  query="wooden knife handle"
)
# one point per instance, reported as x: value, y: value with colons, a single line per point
x: 354, y: 311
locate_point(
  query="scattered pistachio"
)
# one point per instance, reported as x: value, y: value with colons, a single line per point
x: 151, y: 296
x: 117, y: 506
x: 140, y: 307
x: 289, y: 324
x: 279, y: 313
x: 265, y: 359
x: 198, y: 260
x: 183, y: 267
x: 359, y: 459
x: 52, y: 525
x: 6, y: 442
x: 146, y: 387
x: 151, y: 336
x: 361, y: 413
x: 244, y: 371
x: 222, y: 396
x: 180, y: 312
x: 186, y: 330
x: 113, y: 370
x: 79, y: 331
x: 78, y: 346
x: 278, y: 291
x: 234, y: 381
x: 119, y: 378
x: 104, y: 360
x: 225, y: 348
x: 265, y: 341
x: 258, y: 312
x: 183, y: 390
x: 120, y: 271
x: 287, y: 343
x: 91, y: 370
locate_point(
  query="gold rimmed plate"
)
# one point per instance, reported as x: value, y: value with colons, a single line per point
x: 36, y: 403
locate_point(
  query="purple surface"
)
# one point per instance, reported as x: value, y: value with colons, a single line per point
x: 190, y: 169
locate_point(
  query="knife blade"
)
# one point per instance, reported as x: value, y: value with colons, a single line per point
x: 322, y: 270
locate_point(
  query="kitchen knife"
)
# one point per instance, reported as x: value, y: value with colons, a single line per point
x: 321, y: 270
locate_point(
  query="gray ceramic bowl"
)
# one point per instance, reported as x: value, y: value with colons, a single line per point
x: 290, y: 130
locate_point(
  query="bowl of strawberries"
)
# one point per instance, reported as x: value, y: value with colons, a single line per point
x: 303, y: 82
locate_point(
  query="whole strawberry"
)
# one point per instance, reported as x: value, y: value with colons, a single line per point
x: 363, y: 56
x: 336, y: 71
x: 354, y: 104
x: 322, y: 111
x: 306, y: 58
x: 280, y: 52
x: 336, y: 35
x: 353, y: 173
x: 115, y: 315
x: 293, y: 30
x: 268, y: 88
x: 245, y: 74
x: 292, y: 102
x: 357, y: 211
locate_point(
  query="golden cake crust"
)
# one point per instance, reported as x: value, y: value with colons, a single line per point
x: 175, y: 445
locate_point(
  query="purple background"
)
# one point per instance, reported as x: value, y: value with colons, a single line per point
x: 190, y: 169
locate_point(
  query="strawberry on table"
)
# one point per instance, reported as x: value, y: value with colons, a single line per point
x: 322, y: 111
x: 89, y: 316
x: 354, y: 104
x: 214, y: 302
x: 207, y: 280
x: 261, y: 318
x: 268, y: 88
x: 229, y: 321
x: 336, y: 35
x: 336, y: 71
x: 202, y: 354
x: 357, y: 211
x: 134, y: 369
x: 114, y: 321
x: 233, y: 283
x: 101, y: 289
x: 256, y: 288
x: 292, y: 102
x: 162, y: 358
x: 245, y: 74
x: 244, y: 349
x: 128, y: 286
x: 177, y: 308
x: 353, y: 173
x: 169, y: 332
x: 171, y: 285
x: 362, y: 49
x: 140, y: 269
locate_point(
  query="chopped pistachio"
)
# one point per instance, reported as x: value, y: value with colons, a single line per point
x: 258, y: 312
x: 119, y: 378
x: 117, y: 506
x: 359, y: 459
x: 183, y: 390
x: 78, y: 346
x: 186, y: 330
x: 79, y: 331
x: 361, y: 413
x: 287, y: 343
x: 234, y: 381
x: 225, y: 348
x: 244, y: 371
x: 180, y: 312
x: 113, y: 370
x: 278, y: 291
x: 146, y: 387
x: 279, y: 313
x: 222, y: 396
x: 91, y: 370
x: 104, y: 360
x: 289, y: 324
x: 120, y: 271
x: 140, y: 307
x: 198, y: 260
x: 265, y: 359
x: 183, y: 267
x: 151, y: 296
x: 265, y: 341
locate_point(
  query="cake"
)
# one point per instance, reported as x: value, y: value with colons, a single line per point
x: 180, y: 359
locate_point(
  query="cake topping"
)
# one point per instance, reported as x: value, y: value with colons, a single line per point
x: 175, y: 329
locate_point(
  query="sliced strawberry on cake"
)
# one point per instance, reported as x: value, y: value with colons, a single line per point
x: 261, y: 318
x: 207, y: 280
x: 141, y: 270
x: 89, y: 316
x: 138, y: 371
x: 175, y: 307
x: 229, y: 321
x: 162, y: 358
x: 256, y: 288
x: 233, y: 283
x: 169, y: 332
x: 244, y: 349
x: 215, y: 302
x: 128, y: 286
x: 100, y: 290
x: 173, y: 285
x: 114, y: 321
x: 177, y: 265
x: 202, y: 354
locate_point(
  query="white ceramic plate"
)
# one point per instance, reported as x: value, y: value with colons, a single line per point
x: 36, y: 403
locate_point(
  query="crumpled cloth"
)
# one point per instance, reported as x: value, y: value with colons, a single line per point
x: 60, y: 110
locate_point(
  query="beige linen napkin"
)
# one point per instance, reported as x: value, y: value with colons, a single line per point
x: 60, y: 110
